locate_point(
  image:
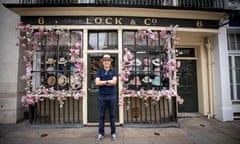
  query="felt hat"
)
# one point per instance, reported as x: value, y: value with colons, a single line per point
x: 50, y: 70
x: 62, y: 80
x: 147, y: 79
x: 156, y: 81
x: 62, y: 60
x: 156, y: 62
x: 50, y: 61
x: 75, y: 84
x: 137, y: 62
x: 136, y: 81
x: 106, y: 57
x: 51, y: 80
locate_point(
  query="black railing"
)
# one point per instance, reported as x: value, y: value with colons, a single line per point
x: 50, y: 112
x: 196, y: 4
x: 148, y: 112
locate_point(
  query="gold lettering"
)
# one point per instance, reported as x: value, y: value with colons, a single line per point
x: 98, y: 20
x: 154, y: 21
x: 118, y: 21
x: 147, y: 21
x: 132, y: 22
x: 41, y: 20
x: 199, y: 23
x: 108, y: 20
x: 88, y: 21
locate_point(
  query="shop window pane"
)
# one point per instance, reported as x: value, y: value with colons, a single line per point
x: 51, y: 67
x: 234, y: 63
x: 93, y: 39
x: 231, y: 43
x: 237, y: 62
x: 230, y: 69
x: 113, y: 40
x: 237, y: 41
x: 238, y: 76
x: 146, y: 59
x: 232, y: 94
x: 238, y: 92
x: 185, y: 52
x: 103, y: 40
x: 128, y: 38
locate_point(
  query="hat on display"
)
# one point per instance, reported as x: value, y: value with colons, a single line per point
x: 51, y: 80
x: 137, y: 62
x: 72, y: 69
x: 146, y: 61
x: 75, y: 84
x: 62, y: 60
x: 136, y: 81
x: 156, y: 81
x: 147, y: 79
x: 106, y: 57
x: 51, y: 70
x: 136, y: 70
x: 146, y: 70
x: 62, y: 80
x: 156, y: 62
x: 157, y: 71
x: 50, y: 61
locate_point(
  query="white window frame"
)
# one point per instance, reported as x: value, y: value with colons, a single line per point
x: 232, y: 54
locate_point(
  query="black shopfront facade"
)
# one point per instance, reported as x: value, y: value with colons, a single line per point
x: 68, y: 55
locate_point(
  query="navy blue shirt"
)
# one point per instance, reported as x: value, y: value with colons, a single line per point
x: 106, y: 92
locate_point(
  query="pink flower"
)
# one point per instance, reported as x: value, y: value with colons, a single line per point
x: 77, y: 44
x: 124, y: 90
x: 120, y: 102
x: 178, y: 64
x: 163, y: 34
x: 24, y: 77
x: 133, y: 94
x: 28, y: 53
x: 180, y: 100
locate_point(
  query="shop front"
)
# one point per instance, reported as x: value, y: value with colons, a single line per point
x: 62, y: 55
x: 60, y: 44
x: 61, y: 62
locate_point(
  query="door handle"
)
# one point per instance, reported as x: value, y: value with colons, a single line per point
x: 89, y: 89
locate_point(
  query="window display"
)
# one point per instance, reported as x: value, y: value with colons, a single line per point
x: 54, y: 65
x: 149, y: 64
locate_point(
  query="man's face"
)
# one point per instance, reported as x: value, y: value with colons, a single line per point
x: 107, y: 63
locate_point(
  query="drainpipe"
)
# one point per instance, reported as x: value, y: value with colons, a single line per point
x: 210, y: 78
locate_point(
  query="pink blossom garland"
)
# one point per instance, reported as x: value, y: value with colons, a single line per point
x: 128, y: 56
x: 31, y: 41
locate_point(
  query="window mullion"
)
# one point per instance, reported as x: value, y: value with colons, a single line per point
x: 234, y: 78
x: 235, y: 41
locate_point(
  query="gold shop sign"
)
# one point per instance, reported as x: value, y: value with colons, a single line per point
x: 118, y: 20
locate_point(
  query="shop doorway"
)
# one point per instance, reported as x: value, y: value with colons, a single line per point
x: 94, y: 64
x: 188, y: 86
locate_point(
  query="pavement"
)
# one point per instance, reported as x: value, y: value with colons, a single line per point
x: 191, y: 130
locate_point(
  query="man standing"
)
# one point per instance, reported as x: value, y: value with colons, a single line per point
x: 106, y: 79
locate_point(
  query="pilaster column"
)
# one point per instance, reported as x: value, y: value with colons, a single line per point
x: 209, y: 47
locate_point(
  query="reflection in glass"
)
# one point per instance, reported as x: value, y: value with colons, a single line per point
x: 99, y: 40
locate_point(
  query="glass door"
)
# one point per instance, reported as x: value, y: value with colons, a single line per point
x: 94, y: 64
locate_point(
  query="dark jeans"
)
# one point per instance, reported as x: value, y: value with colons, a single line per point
x: 103, y: 105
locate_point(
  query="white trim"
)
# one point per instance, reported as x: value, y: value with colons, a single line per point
x: 121, y: 110
x: 85, y: 98
x: 223, y: 105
